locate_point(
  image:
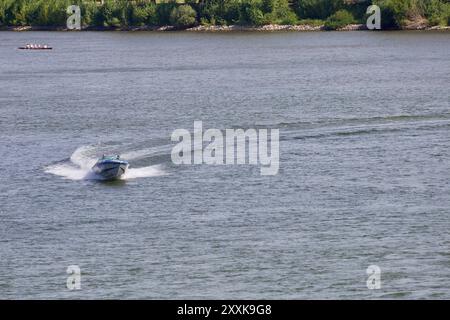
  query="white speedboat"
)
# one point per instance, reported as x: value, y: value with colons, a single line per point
x: 110, y: 168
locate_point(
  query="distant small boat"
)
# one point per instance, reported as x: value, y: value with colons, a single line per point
x: 110, y: 168
x: 36, y: 47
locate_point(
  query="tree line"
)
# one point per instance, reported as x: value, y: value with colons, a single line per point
x: 183, y: 14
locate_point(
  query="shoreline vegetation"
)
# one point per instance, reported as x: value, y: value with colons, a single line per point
x: 212, y: 29
x: 223, y: 15
x: 200, y: 28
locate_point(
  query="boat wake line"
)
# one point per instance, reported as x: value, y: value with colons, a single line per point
x: 79, y: 167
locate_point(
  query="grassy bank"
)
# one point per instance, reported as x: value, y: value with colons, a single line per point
x: 151, y: 14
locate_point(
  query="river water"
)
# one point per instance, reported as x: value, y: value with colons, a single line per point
x: 364, y: 178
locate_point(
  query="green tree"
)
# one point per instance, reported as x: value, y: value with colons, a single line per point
x: 317, y: 9
x: 339, y: 19
x: 219, y: 11
x: 88, y: 12
x: 144, y: 14
x: 251, y: 13
x: 183, y: 16
x: 163, y: 12
x: 278, y: 11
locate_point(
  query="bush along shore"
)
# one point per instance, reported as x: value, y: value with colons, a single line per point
x: 224, y: 15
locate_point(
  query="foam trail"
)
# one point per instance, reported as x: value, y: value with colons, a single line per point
x: 81, y: 157
x: 138, y: 154
x: 68, y: 172
x: 79, y: 167
x: 144, y: 172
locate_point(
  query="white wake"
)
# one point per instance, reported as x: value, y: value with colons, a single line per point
x: 84, y: 158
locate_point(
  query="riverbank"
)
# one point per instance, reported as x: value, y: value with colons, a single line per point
x: 226, y: 28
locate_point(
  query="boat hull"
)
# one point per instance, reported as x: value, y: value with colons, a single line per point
x: 25, y: 48
x: 110, y: 170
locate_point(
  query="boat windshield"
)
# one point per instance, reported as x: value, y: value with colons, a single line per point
x: 111, y: 157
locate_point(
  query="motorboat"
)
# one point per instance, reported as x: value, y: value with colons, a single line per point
x: 110, y: 167
x: 36, y: 47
